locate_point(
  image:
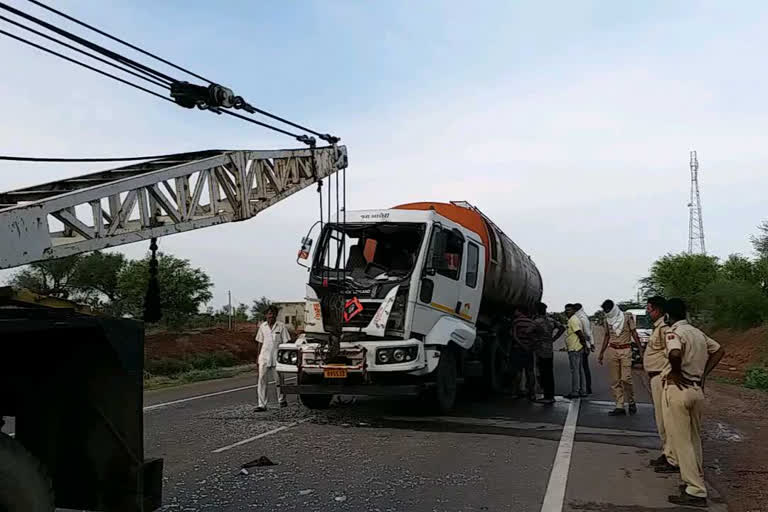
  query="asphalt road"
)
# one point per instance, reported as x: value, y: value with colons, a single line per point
x: 383, y: 455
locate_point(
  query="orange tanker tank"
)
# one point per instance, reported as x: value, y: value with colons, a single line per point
x: 511, y: 276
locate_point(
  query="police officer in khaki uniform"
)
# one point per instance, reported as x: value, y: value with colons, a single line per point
x: 692, y: 355
x: 655, y: 362
x: 620, y: 330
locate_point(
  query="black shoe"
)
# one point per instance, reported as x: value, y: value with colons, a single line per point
x: 284, y: 404
x: 583, y: 395
x: 661, y: 461
x: 547, y: 401
x: 589, y: 391
x: 667, y: 468
x: 687, y: 500
x: 618, y: 412
x: 571, y: 396
x: 261, y: 409
x: 633, y: 408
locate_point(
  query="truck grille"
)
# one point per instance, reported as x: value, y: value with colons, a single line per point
x: 363, y: 318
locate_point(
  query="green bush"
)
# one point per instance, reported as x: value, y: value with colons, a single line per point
x: 738, y: 304
x: 756, y: 378
x: 173, y: 366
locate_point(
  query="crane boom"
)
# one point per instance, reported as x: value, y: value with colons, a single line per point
x: 153, y: 199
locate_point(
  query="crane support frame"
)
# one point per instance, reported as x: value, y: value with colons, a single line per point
x: 153, y: 199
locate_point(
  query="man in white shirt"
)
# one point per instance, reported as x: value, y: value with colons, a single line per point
x: 586, y: 328
x: 270, y: 335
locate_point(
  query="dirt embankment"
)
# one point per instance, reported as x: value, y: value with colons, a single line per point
x: 743, y: 349
x: 179, y: 345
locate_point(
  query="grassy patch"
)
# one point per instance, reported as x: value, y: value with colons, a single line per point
x: 756, y: 378
x: 166, y: 372
x: 163, y: 381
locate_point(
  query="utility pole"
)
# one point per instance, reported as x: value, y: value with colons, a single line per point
x: 695, y: 222
x: 229, y: 309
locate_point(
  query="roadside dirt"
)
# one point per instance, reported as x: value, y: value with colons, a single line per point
x: 177, y: 345
x: 742, y: 350
x: 736, y: 445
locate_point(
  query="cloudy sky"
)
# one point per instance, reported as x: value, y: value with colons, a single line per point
x: 568, y: 123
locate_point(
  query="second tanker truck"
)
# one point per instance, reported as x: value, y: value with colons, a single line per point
x: 412, y: 300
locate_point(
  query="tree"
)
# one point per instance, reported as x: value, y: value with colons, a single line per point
x: 52, y: 277
x: 684, y: 276
x: 736, y: 303
x: 259, y: 308
x: 760, y: 241
x: 739, y: 268
x: 183, y: 289
x: 96, y: 277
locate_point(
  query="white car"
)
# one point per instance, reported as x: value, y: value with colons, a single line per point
x: 644, y: 329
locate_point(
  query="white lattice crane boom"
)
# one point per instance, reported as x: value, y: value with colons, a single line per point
x: 153, y: 199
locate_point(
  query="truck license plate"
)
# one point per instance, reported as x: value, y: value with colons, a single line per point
x: 335, y: 373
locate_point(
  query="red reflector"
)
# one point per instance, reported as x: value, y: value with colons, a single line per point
x: 325, y: 282
x: 352, y: 308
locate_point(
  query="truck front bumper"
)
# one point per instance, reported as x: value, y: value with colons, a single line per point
x: 356, y: 389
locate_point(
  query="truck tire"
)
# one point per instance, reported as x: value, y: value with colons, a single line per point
x: 446, y: 376
x: 316, y: 401
x: 24, y: 483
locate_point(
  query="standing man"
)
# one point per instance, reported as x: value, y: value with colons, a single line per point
x: 655, y: 363
x: 270, y: 335
x: 524, y: 333
x: 619, y: 332
x: 692, y: 355
x: 575, y: 342
x: 549, y: 332
x: 586, y: 328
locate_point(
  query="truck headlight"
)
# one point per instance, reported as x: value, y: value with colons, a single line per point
x: 396, y: 355
x: 288, y: 356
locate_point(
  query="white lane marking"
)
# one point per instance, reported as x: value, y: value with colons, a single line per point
x: 265, y: 434
x: 208, y: 395
x: 611, y: 402
x: 558, y: 478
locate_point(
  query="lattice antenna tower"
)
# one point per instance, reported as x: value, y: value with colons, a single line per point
x: 695, y: 221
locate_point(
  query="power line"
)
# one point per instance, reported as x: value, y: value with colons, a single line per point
x: 74, y: 48
x: 75, y: 61
x: 129, y: 45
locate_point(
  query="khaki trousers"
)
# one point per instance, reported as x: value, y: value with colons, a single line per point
x: 682, y: 421
x: 657, y: 393
x: 620, y: 367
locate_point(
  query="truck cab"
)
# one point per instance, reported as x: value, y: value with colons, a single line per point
x: 388, y: 290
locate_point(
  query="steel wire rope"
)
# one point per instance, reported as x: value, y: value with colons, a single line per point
x: 74, y: 48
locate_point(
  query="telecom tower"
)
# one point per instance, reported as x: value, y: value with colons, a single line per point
x: 695, y: 222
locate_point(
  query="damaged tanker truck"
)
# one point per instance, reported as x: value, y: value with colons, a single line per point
x: 410, y: 301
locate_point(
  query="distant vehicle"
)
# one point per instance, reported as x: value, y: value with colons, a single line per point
x: 644, y: 330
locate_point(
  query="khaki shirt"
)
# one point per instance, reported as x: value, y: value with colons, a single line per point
x: 695, y: 347
x: 655, y: 357
x: 625, y: 338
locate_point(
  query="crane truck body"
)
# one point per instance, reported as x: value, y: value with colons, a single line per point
x: 408, y: 301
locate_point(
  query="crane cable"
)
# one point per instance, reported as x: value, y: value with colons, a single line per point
x: 179, y: 90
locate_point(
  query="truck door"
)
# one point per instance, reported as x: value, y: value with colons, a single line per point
x: 471, y: 285
x: 441, y: 277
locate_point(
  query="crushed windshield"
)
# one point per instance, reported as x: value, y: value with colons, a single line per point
x: 370, y: 251
x: 643, y: 322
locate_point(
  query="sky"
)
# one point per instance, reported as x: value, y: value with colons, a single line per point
x: 568, y: 123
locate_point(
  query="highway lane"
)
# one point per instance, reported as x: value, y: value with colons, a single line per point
x: 385, y: 455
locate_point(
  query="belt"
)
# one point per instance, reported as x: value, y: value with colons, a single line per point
x: 653, y: 374
x: 619, y: 347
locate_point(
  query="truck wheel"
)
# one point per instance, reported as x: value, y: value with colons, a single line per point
x: 316, y: 401
x: 446, y: 375
x: 24, y: 483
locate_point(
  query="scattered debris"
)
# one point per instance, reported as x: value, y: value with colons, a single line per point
x: 260, y: 462
x: 340, y: 499
x: 363, y: 424
x: 244, y: 472
x: 306, y: 492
